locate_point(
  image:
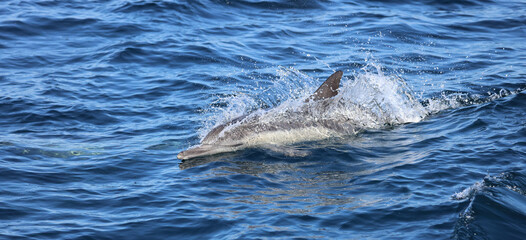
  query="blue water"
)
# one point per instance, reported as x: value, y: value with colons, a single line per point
x: 98, y: 97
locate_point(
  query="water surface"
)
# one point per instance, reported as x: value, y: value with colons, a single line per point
x: 97, y: 98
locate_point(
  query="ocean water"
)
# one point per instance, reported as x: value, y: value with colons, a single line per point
x: 97, y: 98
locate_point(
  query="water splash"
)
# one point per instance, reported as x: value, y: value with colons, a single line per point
x: 387, y: 99
x: 289, y: 84
x: 368, y: 99
x: 226, y: 108
x: 451, y: 100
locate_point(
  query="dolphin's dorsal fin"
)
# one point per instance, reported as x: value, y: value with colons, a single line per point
x: 328, y: 89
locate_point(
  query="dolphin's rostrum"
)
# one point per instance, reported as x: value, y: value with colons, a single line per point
x: 275, y: 126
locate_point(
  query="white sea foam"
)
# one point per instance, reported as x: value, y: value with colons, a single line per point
x: 469, y: 191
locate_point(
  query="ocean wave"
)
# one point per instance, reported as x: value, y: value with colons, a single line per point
x: 495, y: 207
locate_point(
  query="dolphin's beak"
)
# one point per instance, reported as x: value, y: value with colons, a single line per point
x: 202, y: 150
x: 190, y: 153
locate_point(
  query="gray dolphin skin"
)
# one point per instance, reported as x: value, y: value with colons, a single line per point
x: 278, y: 126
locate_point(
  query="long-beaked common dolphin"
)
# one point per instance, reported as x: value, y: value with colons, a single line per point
x: 269, y: 128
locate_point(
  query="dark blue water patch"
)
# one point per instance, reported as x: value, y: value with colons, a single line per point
x: 501, y: 24
x: 55, y: 4
x: 148, y: 55
x: 45, y: 25
x: 445, y: 3
x: 59, y: 114
x: 135, y: 55
x: 41, y: 26
x: 51, y: 177
x: 14, y: 28
x: 176, y: 13
x: 152, y: 7
x: 119, y: 29
x: 31, y: 62
x: 9, y: 212
x: 276, y: 4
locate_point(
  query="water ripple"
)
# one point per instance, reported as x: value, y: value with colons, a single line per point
x: 96, y: 99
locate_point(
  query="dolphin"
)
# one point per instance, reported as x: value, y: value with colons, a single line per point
x: 283, y: 125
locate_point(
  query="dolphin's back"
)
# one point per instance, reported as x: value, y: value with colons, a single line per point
x: 214, y: 133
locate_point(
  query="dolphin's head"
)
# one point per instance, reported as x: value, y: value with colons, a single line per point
x: 205, y: 150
